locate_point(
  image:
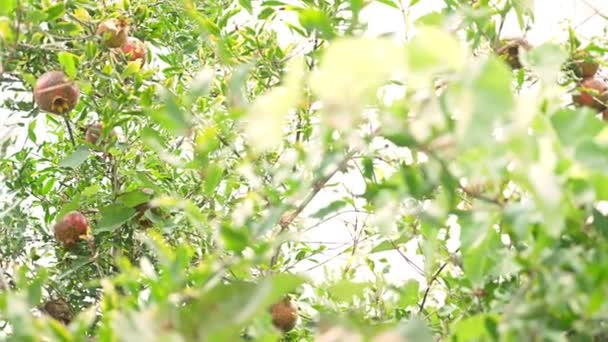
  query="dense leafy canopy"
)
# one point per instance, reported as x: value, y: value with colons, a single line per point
x: 215, y: 157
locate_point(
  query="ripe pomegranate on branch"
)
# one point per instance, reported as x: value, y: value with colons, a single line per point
x: 70, y: 228
x: 55, y: 93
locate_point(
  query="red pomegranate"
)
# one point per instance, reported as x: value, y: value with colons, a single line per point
x: 55, y: 93
x: 585, y: 64
x: 93, y: 133
x: 284, y: 315
x: 114, y: 32
x: 134, y: 49
x: 70, y: 228
x: 593, y: 94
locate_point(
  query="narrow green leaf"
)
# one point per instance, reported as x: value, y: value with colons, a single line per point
x: 330, y: 208
x: 213, y: 177
x: 246, y: 4
x: 55, y: 12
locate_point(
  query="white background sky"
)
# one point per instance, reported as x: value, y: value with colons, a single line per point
x: 552, y: 17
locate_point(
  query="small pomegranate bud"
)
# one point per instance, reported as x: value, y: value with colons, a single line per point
x: 59, y: 309
x: 70, y: 228
x: 134, y: 49
x: 55, y: 93
x: 113, y: 32
x: 284, y: 315
x: 594, y: 94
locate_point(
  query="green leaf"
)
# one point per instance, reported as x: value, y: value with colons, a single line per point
x: 112, y: 217
x: 7, y: 6
x: 592, y: 155
x: 133, y: 198
x: 575, y: 126
x: 54, y: 12
x: 390, y: 3
x: 77, y: 157
x: 68, y: 61
x: 388, y: 246
x: 409, y: 294
x: 479, y: 261
x: 433, y: 50
x: 402, y: 139
x: 345, y: 290
x: 416, y: 330
x: 213, y: 177
x: 314, y: 19
x: 492, y: 89
x: 235, y: 239
x: 330, y: 208
x: 246, y: 4
x: 481, y: 327
x: 600, y: 222
x: 432, y: 19
x: 171, y: 117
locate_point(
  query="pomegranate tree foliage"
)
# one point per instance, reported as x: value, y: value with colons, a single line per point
x: 225, y: 137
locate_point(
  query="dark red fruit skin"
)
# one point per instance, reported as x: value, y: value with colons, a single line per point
x: 134, y: 49
x: 55, y: 93
x: 284, y: 315
x: 93, y: 133
x: 70, y: 228
x: 591, y: 99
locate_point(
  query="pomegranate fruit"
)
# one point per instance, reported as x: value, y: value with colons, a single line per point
x: 593, y: 94
x: 585, y: 65
x: 509, y: 50
x: 134, y: 49
x: 113, y: 32
x: 284, y: 315
x: 55, y: 93
x: 94, y: 132
x: 70, y: 228
x: 59, y: 309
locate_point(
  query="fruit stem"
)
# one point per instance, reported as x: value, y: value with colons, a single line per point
x: 67, y: 123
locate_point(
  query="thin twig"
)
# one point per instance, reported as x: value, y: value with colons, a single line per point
x: 67, y: 122
x: 408, y: 260
x: 317, y: 185
x: 428, y: 288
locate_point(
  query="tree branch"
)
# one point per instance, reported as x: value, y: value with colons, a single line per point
x: 287, y: 220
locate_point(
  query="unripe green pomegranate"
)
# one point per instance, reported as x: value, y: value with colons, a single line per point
x: 55, y: 93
